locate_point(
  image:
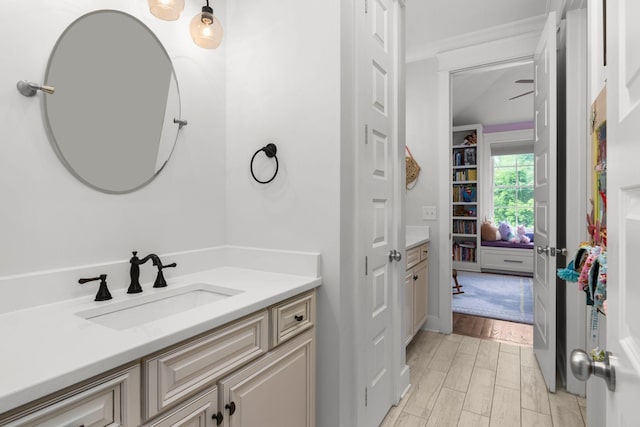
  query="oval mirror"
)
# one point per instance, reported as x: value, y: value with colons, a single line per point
x: 111, y: 118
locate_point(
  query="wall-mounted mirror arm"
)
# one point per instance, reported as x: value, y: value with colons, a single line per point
x: 181, y: 123
x: 30, y: 89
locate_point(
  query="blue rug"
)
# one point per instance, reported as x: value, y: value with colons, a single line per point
x: 495, y: 296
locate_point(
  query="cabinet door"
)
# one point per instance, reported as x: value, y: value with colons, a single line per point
x: 199, y: 412
x: 408, y: 307
x: 420, y: 295
x: 277, y: 390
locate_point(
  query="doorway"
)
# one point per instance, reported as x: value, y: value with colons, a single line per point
x: 492, y: 202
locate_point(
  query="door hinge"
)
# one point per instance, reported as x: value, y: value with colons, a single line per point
x: 366, y: 397
x: 366, y: 134
x: 366, y: 6
x: 366, y: 266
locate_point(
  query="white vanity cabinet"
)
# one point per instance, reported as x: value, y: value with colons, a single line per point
x: 416, y: 288
x: 258, y: 370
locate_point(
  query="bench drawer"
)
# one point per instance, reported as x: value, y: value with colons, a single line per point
x: 519, y: 260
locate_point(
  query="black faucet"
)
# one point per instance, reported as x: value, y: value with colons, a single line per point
x: 134, y: 272
x: 103, y: 291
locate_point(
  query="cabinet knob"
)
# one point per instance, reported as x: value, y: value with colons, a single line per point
x: 231, y: 407
x: 298, y: 317
x: 218, y: 418
x: 415, y: 277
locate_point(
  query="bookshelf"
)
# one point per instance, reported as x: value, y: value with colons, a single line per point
x: 466, y: 145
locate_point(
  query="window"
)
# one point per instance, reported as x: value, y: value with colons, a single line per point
x: 513, y: 189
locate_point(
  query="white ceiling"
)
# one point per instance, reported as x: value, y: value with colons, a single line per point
x: 478, y: 96
x: 429, y: 23
x: 482, y: 95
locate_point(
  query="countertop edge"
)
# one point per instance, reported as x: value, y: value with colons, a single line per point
x: 410, y: 244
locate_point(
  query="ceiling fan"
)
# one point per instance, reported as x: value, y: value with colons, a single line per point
x: 525, y: 93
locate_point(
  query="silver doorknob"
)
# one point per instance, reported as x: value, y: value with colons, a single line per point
x: 395, y: 255
x: 582, y: 366
x: 542, y: 250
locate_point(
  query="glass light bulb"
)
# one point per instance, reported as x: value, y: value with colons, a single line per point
x: 206, y: 31
x: 167, y: 10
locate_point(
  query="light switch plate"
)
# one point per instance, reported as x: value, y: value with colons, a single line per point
x: 429, y: 213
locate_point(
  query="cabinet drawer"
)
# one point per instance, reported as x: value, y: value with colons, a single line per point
x: 520, y: 260
x: 112, y: 401
x: 292, y: 317
x: 424, y: 251
x: 413, y: 256
x: 178, y: 373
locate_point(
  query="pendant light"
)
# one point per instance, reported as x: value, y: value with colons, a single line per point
x: 167, y: 10
x: 206, y: 30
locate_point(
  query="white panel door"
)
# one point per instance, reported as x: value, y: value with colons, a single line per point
x: 623, y: 209
x: 545, y: 147
x: 376, y: 183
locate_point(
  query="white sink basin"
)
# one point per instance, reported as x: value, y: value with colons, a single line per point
x: 139, y: 309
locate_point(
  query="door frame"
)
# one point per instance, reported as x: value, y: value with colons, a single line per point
x: 516, y: 48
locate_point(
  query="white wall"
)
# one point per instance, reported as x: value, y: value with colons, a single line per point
x: 49, y: 219
x: 276, y: 78
x: 421, y: 124
x: 283, y: 79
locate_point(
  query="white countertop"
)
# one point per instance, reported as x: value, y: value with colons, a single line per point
x: 416, y: 235
x: 48, y: 347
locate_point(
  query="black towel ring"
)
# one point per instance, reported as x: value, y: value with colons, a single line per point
x: 270, y: 151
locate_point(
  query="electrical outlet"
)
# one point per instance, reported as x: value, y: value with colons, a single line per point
x: 429, y: 213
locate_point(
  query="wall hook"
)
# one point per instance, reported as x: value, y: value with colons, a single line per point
x: 30, y: 89
x: 270, y: 151
x: 181, y: 123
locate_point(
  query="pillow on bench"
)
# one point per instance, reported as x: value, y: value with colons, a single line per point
x: 503, y: 244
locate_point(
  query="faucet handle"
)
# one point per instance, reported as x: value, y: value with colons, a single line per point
x: 103, y: 291
x: 160, y: 280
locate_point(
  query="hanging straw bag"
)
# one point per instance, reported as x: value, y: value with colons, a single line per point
x: 413, y: 168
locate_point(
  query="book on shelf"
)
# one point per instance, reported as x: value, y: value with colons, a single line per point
x: 470, y: 156
x: 462, y: 254
x: 467, y: 244
x: 472, y: 175
x: 458, y: 159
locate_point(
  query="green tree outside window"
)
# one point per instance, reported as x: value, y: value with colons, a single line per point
x: 513, y: 189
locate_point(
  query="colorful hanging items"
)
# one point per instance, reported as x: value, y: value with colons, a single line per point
x: 589, y: 270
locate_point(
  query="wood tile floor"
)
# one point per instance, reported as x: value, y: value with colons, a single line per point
x: 497, y: 330
x: 467, y: 381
